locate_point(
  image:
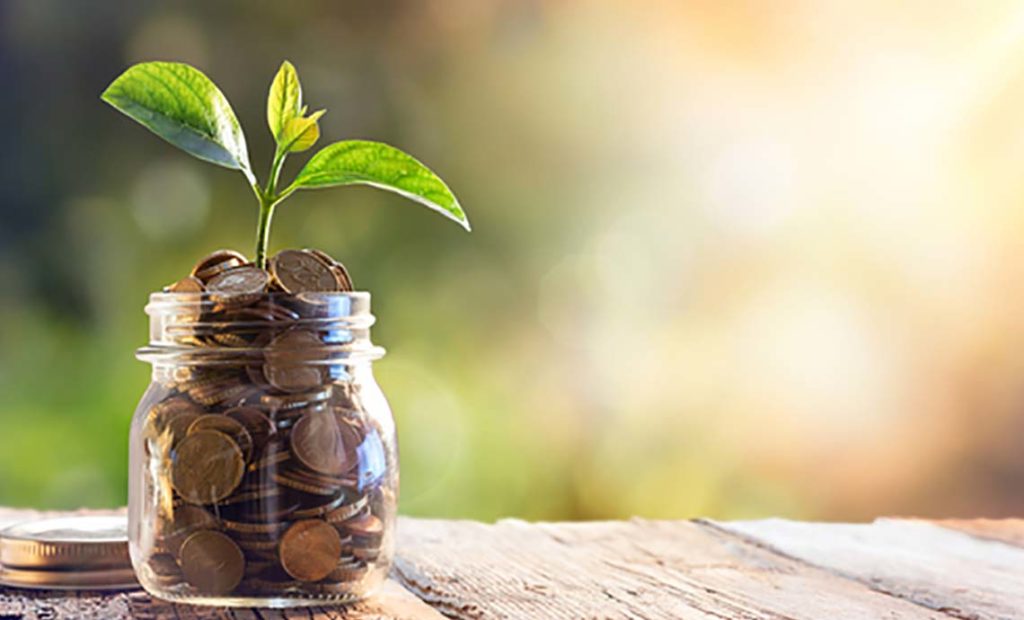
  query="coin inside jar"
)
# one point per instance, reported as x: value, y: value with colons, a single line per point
x: 324, y: 445
x: 260, y: 426
x: 229, y: 426
x: 298, y: 271
x: 211, y: 562
x: 287, y: 366
x: 310, y: 550
x: 184, y: 521
x: 207, y: 467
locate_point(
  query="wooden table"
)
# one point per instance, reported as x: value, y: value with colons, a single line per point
x: 770, y: 569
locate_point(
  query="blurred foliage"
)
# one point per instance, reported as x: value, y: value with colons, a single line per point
x: 728, y: 259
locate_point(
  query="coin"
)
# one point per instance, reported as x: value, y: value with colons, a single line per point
x: 346, y: 512
x: 229, y: 426
x: 239, y: 282
x: 344, y: 280
x: 168, y: 421
x: 188, y: 284
x: 207, y: 467
x: 297, y: 271
x: 310, y: 550
x: 365, y: 528
x: 217, y: 262
x: 184, y: 521
x: 290, y: 480
x: 260, y: 426
x: 323, y: 444
x: 211, y: 562
x: 288, y: 367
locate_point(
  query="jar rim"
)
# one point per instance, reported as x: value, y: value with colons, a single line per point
x: 179, y: 321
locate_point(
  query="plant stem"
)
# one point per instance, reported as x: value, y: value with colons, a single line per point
x: 268, y: 200
x: 263, y: 231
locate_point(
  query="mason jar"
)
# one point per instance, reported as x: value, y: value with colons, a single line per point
x: 263, y: 464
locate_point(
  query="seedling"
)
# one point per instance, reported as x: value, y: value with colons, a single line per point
x: 181, y: 105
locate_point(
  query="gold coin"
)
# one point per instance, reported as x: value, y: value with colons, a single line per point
x: 298, y: 271
x: 211, y: 562
x: 325, y: 445
x: 229, y: 426
x: 208, y: 466
x: 217, y: 262
x: 310, y: 550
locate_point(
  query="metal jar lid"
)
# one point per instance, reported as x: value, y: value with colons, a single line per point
x: 67, y: 552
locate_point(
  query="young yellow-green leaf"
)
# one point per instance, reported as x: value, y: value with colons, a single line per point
x: 301, y: 133
x: 360, y: 162
x: 285, y: 99
x: 181, y: 105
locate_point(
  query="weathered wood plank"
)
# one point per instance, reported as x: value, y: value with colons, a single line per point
x: 1005, y: 530
x: 636, y: 569
x: 391, y: 602
x: 930, y: 565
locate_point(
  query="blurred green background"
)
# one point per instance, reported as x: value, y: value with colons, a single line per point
x: 728, y: 259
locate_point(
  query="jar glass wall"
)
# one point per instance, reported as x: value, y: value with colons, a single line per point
x: 263, y: 465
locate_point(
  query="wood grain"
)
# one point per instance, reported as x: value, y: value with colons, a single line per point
x: 636, y: 569
x: 933, y: 566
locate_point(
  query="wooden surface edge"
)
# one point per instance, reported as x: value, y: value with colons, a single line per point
x: 1009, y: 531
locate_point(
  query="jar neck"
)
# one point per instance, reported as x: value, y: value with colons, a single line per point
x: 308, y: 328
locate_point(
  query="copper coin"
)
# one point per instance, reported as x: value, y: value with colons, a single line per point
x: 211, y: 562
x: 188, y: 284
x: 184, y: 521
x: 207, y: 467
x: 366, y: 525
x: 324, y: 445
x: 298, y: 271
x: 347, y: 511
x: 299, y: 400
x: 310, y: 550
x: 287, y: 362
x: 217, y: 262
x: 341, y: 274
x: 290, y: 480
x: 229, y: 426
x: 260, y: 426
x: 167, y: 421
x: 239, y: 282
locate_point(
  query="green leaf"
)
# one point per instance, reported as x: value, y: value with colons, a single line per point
x: 301, y: 133
x: 181, y: 105
x: 285, y: 99
x: 360, y: 162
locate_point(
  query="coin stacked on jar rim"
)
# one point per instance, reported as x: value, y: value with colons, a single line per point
x: 271, y: 473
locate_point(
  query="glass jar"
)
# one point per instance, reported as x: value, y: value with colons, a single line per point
x: 263, y: 466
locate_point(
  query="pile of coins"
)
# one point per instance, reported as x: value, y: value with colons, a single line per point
x: 271, y: 476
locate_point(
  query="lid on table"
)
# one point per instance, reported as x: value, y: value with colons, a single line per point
x: 67, y: 552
